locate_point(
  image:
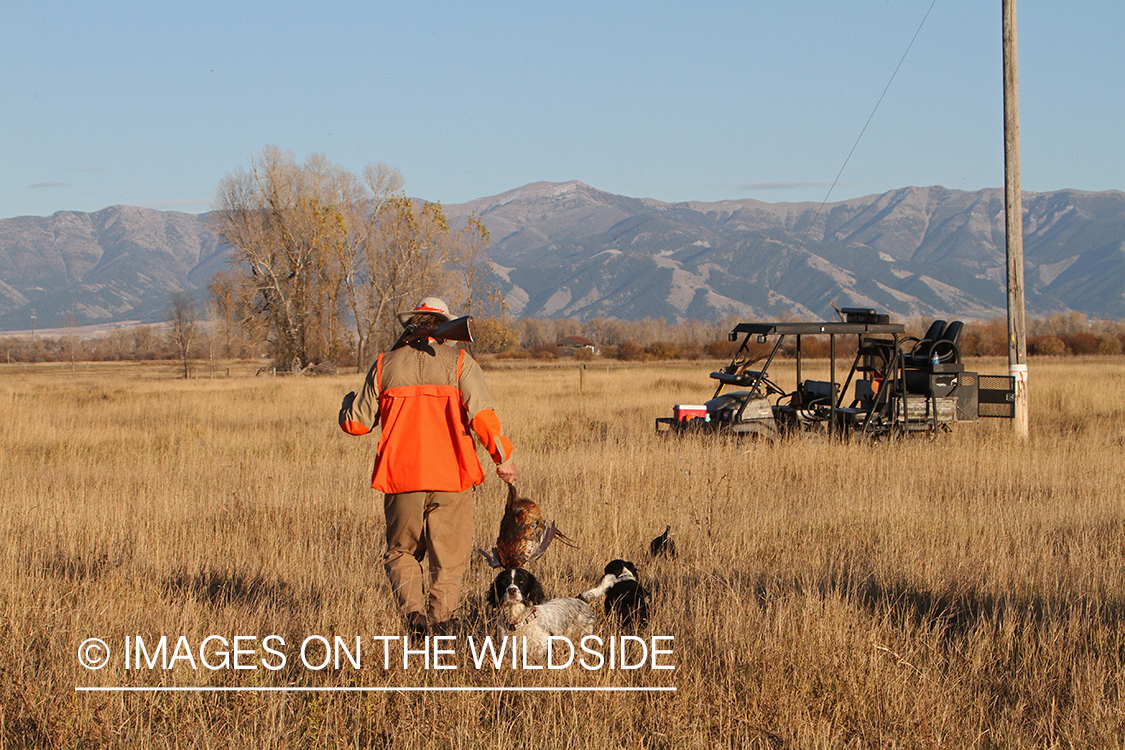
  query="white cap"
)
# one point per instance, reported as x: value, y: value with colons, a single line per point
x: 431, y: 305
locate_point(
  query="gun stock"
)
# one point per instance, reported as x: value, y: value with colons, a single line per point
x: 458, y: 329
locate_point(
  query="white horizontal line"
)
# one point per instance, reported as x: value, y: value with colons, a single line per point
x: 358, y: 689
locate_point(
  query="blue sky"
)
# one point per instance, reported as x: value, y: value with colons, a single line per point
x: 151, y: 104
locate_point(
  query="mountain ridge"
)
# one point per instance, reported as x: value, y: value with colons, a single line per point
x: 912, y: 251
x: 566, y: 249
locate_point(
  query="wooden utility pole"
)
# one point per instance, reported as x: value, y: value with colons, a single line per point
x: 1013, y: 221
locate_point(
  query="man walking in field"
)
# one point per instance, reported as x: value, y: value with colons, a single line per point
x: 427, y: 396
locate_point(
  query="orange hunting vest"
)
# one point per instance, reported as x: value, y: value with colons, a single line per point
x: 425, y: 444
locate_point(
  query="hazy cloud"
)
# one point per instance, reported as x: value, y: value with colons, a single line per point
x: 39, y: 185
x: 185, y: 204
x: 780, y: 185
x: 89, y: 170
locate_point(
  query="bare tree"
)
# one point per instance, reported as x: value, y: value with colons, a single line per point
x: 240, y: 330
x: 407, y: 261
x: 279, y: 216
x: 330, y: 256
x: 398, y: 251
x: 359, y: 256
x: 472, y: 292
x: 183, y: 328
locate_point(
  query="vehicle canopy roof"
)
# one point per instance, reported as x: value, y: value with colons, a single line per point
x: 817, y: 328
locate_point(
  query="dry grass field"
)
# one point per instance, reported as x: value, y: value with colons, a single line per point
x: 966, y: 592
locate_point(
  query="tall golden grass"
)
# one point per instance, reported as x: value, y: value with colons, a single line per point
x: 964, y: 592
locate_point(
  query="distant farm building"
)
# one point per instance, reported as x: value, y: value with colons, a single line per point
x: 574, y: 344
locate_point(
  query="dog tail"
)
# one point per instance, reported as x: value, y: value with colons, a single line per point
x: 599, y: 591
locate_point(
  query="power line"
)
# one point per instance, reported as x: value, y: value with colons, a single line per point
x: 856, y: 144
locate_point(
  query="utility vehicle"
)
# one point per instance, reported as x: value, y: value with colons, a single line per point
x: 896, y: 385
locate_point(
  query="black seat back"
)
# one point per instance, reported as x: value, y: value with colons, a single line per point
x: 946, y: 345
x: 952, y: 332
x: 919, y: 354
x: 935, y: 331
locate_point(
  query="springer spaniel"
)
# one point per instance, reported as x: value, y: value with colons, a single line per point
x: 522, y: 611
x: 626, y: 600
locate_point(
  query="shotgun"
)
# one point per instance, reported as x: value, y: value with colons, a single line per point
x: 458, y: 329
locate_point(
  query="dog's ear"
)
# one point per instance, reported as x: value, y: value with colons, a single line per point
x: 535, y: 593
x: 494, y: 591
x: 632, y: 568
x: 619, y: 566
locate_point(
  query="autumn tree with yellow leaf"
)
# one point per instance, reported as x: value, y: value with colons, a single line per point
x: 325, y: 258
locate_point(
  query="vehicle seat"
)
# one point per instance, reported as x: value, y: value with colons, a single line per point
x: 943, y: 343
x: 946, y: 345
x: 818, y: 393
x: 919, y: 354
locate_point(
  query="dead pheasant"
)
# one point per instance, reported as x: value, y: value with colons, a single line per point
x: 524, y: 535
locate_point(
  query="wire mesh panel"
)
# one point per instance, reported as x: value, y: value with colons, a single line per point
x: 997, y: 396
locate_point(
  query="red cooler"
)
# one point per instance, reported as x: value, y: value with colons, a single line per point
x: 684, y: 412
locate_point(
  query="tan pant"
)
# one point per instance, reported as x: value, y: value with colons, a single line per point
x: 433, y: 525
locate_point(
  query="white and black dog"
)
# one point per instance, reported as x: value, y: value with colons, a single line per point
x: 626, y: 600
x: 530, y: 590
x: 518, y: 601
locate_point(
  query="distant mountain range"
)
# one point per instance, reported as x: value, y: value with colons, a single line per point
x: 569, y: 250
x: 115, y: 265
